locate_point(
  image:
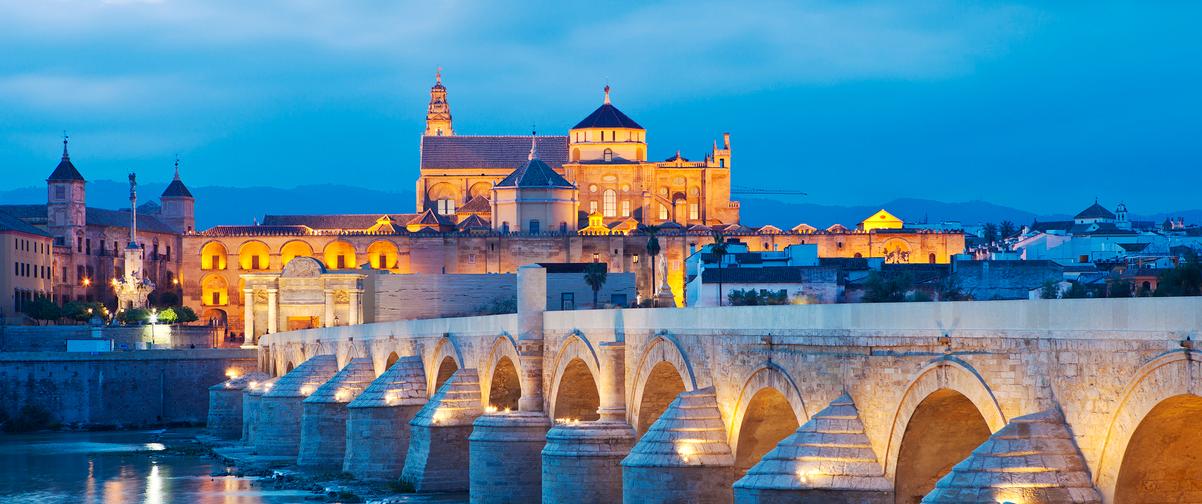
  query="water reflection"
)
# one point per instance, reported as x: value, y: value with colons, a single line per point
x: 118, y: 468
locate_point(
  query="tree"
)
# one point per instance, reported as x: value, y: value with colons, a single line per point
x: 880, y: 288
x: 1120, y: 289
x: 1007, y: 229
x: 184, y: 314
x: 989, y: 233
x: 951, y: 290
x: 168, y: 316
x: 80, y: 311
x: 134, y: 315
x: 1050, y: 290
x: 594, y: 276
x: 1076, y: 291
x: 652, y: 251
x: 1183, y: 280
x: 43, y: 309
x: 719, y: 250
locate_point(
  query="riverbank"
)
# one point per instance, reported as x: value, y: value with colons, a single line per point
x: 282, y: 473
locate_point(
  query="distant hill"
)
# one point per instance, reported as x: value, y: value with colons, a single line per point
x: 242, y: 205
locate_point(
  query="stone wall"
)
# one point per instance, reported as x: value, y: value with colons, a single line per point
x: 53, y: 338
x: 118, y: 388
x: 424, y: 295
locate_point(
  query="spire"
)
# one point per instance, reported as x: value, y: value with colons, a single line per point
x: 176, y: 167
x: 438, y: 113
x: 607, y: 94
x: 438, y: 76
x: 65, y: 138
x: 533, y: 145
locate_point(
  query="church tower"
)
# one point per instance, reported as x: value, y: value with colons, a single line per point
x: 66, y: 205
x: 178, y: 205
x: 438, y: 114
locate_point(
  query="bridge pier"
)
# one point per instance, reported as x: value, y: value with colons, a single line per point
x: 251, y: 398
x: 438, y: 456
x: 323, y: 422
x: 377, y: 423
x: 1033, y: 459
x: 827, y: 459
x: 225, y: 405
x: 280, y: 409
x: 683, y: 457
x: 582, y: 461
x: 505, y: 448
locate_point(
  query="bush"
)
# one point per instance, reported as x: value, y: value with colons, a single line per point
x: 886, y: 289
x: 78, y: 310
x: 43, y: 309
x: 134, y: 316
x: 752, y: 297
x: 184, y: 315
x: 168, y: 316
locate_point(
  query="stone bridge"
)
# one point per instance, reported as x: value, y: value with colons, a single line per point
x: 1091, y: 400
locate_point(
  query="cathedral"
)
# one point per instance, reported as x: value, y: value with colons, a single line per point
x: 491, y: 203
x: 602, y: 162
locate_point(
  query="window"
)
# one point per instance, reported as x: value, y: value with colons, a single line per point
x: 446, y: 206
x: 722, y: 163
x: 60, y: 192
x: 567, y: 301
x: 694, y: 211
x: 931, y: 258
x: 611, y: 203
x: 608, y: 155
x: 592, y: 207
x: 663, y: 212
x: 534, y: 227
x: 625, y: 208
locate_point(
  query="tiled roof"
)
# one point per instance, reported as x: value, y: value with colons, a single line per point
x: 458, y: 151
x: 176, y: 189
x: 120, y: 219
x: 456, y: 403
x: 689, y: 433
x: 65, y: 170
x: 258, y: 230
x: 534, y: 173
x: 427, y: 218
x: 1044, y: 227
x: 473, y: 222
x: 770, y: 274
x: 333, y: 221
x: 1095, y: 211
x: 479, y: 204
x: 607, y: 116
x: 9, y: 222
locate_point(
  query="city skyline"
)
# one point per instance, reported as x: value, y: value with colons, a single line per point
x: 1022, y: 96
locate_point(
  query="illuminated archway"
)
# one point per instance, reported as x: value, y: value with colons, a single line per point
x: 767, y: 419
x: 254, y: 255
x: 294, y: 249
x: 663, y: 384
x: 1162, y: 462
x: 944, y: 429
x: 446, y: 368
x: 214, y: 290
x: 340, y: 255
x: 506, y: 387
x: 213, y: 256
x: 577, y: 396
x: 382, y: 255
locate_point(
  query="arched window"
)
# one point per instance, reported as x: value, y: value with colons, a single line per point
x: 608, y: 155
x: 663, y: 212
x: 931, y: 258
x: 610, y: 206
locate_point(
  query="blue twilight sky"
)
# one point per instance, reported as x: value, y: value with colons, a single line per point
x: 1039, y: 105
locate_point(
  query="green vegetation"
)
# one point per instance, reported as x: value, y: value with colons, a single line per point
x: 1183, y: 280
x: 43, y: 309
x: 752, y: 297
x: 595, y: 275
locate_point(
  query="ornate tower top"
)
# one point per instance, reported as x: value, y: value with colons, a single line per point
x: 438, y: 113
x: 607, y: 94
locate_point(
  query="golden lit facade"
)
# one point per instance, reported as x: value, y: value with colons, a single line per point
x: 605, y: 156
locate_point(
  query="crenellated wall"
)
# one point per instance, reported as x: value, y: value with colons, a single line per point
x: 917, y: 376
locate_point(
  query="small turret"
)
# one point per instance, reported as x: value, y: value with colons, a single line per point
x: 721, y: 157
x: 179, y: 205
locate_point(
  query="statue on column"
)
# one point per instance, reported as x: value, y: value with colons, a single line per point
x: 133, y: 288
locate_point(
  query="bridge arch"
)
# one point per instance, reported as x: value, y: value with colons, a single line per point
x: 663, y: 371
x: 769, y: 408
x: 443, y: 362
x: 945, y: 413
x: 1164, y: 391
x: 574, y: 390
x: 500, y: 377
x: 347, y: 351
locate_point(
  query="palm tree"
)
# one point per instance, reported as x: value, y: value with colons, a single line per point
x: 719, y: 249
x: 594, y: 276
x: 653, y: 251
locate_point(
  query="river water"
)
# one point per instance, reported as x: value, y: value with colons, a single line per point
x: 120, y: 467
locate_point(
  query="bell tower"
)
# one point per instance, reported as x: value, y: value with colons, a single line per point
x: 438, y: 114
x: 66, y: 203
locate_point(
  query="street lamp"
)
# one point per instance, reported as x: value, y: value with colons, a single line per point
x: 87, y: 282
